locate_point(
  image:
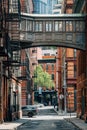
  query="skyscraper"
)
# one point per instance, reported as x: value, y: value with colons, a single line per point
x: 39, y: 7
x: 50, y: 5
x: 57, y: 7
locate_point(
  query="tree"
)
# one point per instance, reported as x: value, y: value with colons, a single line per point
x: 42, y: 79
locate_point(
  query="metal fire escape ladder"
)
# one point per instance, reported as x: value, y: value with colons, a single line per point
x: 24, y: 74
x: 14, y: 23
x: 3, y: 29
x: 14, y: 30
x: 13, y: 36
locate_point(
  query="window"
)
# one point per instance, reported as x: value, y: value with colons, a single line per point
x: 75, y: 70
x: 52, y: 54
x: 75, y: 53
x: 58, y: 26
x: 77, y: 25
x: 69, y: 26
x: 34, y: 51
x: 13, y: 6
x: 57, y: 7
x: 47, y: 54
x: 38, y: 26
x: 23, y: 25
x: 80, y: 26
x: 34, y: 63
x: 46, y: 67
x: 52, y: 66
x: 48, y: 26
x: 52, y: 76
x: 14, y: 101
x: 29, y: 25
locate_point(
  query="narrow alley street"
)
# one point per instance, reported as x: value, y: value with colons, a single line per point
x: 47, y: 119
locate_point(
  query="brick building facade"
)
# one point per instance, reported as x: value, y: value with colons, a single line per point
x: 67, y: 69
x: 10, y: 86
x: 10, y: 67
x: 81, y: 7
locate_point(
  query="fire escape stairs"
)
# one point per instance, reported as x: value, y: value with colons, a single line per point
x: 11, y: 35
x: 3, y: 31
x: 13, y: 19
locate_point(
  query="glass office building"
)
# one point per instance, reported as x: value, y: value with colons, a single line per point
x: 50, y: 5
x: 44, y: 6
x: 40, y: 7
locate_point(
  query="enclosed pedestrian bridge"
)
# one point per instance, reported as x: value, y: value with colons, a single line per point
x: 62, y: 30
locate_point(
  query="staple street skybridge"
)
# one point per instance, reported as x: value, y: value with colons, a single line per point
x: 62, y: 30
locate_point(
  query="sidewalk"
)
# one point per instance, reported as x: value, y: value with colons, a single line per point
x: 12, y: 125
x: 71, y: 117
x: 78, y: 123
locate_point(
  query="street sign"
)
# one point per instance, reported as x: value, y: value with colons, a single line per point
x: 61, y: 96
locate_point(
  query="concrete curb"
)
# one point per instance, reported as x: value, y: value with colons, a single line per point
x: 73, y: 123
x: 78, y: 123
x: 74, y: 120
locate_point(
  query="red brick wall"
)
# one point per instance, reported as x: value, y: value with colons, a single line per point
x: 70, y: 61
x: 82, y: 79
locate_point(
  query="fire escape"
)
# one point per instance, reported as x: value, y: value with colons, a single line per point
x: 10, y: 47
x: 11, y: 64
x: 3, y: 30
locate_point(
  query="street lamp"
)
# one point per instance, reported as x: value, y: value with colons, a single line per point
x: 61, y: 96
x: 65, y: 86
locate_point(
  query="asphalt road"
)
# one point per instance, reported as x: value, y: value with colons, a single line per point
x: 47, y: 119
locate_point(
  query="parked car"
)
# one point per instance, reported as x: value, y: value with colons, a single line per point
x: 39, y: 105
x: 29, y: 110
